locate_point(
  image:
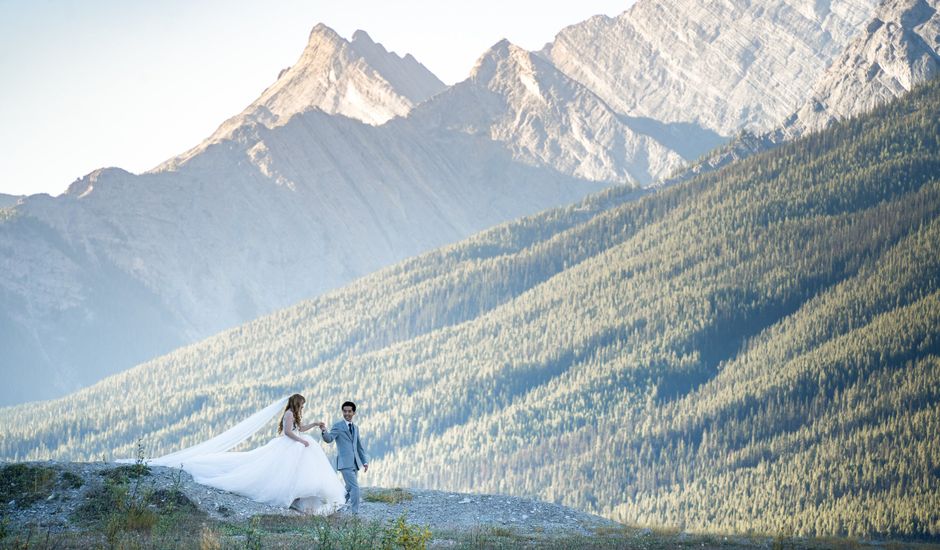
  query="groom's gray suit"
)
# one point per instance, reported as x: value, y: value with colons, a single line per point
x: 350, y: 458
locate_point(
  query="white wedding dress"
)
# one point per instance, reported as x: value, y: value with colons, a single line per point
x: 282, y: 472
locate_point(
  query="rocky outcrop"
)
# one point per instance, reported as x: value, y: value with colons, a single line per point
x: 544, y: 118
x: 724, y: 66
x: 899, y: 48
x: 358, y: 79
x: 72, y: 484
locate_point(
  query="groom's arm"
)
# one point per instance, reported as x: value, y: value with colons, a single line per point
x: 329, y: 436
x: 362, y: 454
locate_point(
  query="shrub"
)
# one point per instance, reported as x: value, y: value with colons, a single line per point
x: 25, y: 484
x: 68, y: 480
x: 124, y: 473
x: 401, y: 534
x: 390, y: 496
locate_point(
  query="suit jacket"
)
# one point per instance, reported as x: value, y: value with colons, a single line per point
x: 350, y: 455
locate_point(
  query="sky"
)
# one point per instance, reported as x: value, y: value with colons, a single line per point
x: 130, y: 83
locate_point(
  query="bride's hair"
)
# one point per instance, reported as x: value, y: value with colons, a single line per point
x: 293, y: 405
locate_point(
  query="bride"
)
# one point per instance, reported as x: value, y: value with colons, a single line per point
x: 286, y: 471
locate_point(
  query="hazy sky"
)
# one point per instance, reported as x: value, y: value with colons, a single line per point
x: 130, y: 83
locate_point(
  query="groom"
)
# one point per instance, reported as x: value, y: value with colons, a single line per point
x: 350, y: 454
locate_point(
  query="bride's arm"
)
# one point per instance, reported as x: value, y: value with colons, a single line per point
x: 288, y: 427
x: 306, y: 427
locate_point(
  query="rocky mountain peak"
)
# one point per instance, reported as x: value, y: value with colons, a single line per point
x: 358, y: 79
x: 405, y: 74
x: 322, y: 34
x: 85, y: 185
x: 362, y: 37
x: 501, y: 59
x: 723, y: 66
x: 898, y: 49
x: 520, y: 99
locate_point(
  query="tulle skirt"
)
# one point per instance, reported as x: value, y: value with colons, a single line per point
x: 281, y: 472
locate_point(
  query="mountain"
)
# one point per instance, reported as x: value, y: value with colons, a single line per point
x: 124, y: 267
x: 716, y: 65
x: 752, y: 350
x: 893, y: 55
x: 8, y: 200
x: 899, y: 49
x: 358, y: 79
x: 295, y: 196
x: 517, y: 98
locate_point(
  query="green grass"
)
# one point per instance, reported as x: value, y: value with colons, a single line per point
x: 25, y: 484
x: 124, y: 473
x: 388, y: 496
x: 124, y: 509
x: 69, y: 480
x: 334, y: 532
x: 179, y: 526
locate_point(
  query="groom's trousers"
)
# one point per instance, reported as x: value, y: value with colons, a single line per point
x: 351, y: 477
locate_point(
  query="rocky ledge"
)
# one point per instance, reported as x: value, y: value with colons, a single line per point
x: 57, y: 499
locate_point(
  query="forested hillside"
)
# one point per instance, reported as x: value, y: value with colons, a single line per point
x: 753, y: 350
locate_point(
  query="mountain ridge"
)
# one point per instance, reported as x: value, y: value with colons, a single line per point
x: 545, y: 118
x: 358, y: 79
x: 8, y: 200
x: 899, y: 49
x: 724, y: 66
x: 855, y: 83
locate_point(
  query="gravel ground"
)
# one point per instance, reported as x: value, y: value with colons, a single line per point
x: 436, y: 509
x: 461, y: 511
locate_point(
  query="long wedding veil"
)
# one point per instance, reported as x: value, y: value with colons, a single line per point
x: 222, y: 442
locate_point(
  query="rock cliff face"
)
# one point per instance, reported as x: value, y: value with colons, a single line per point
x: 899, y: 48
x: 358, y: 79
x: 722, y: 65
x: 544, y: 118
x: 897, y: 51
